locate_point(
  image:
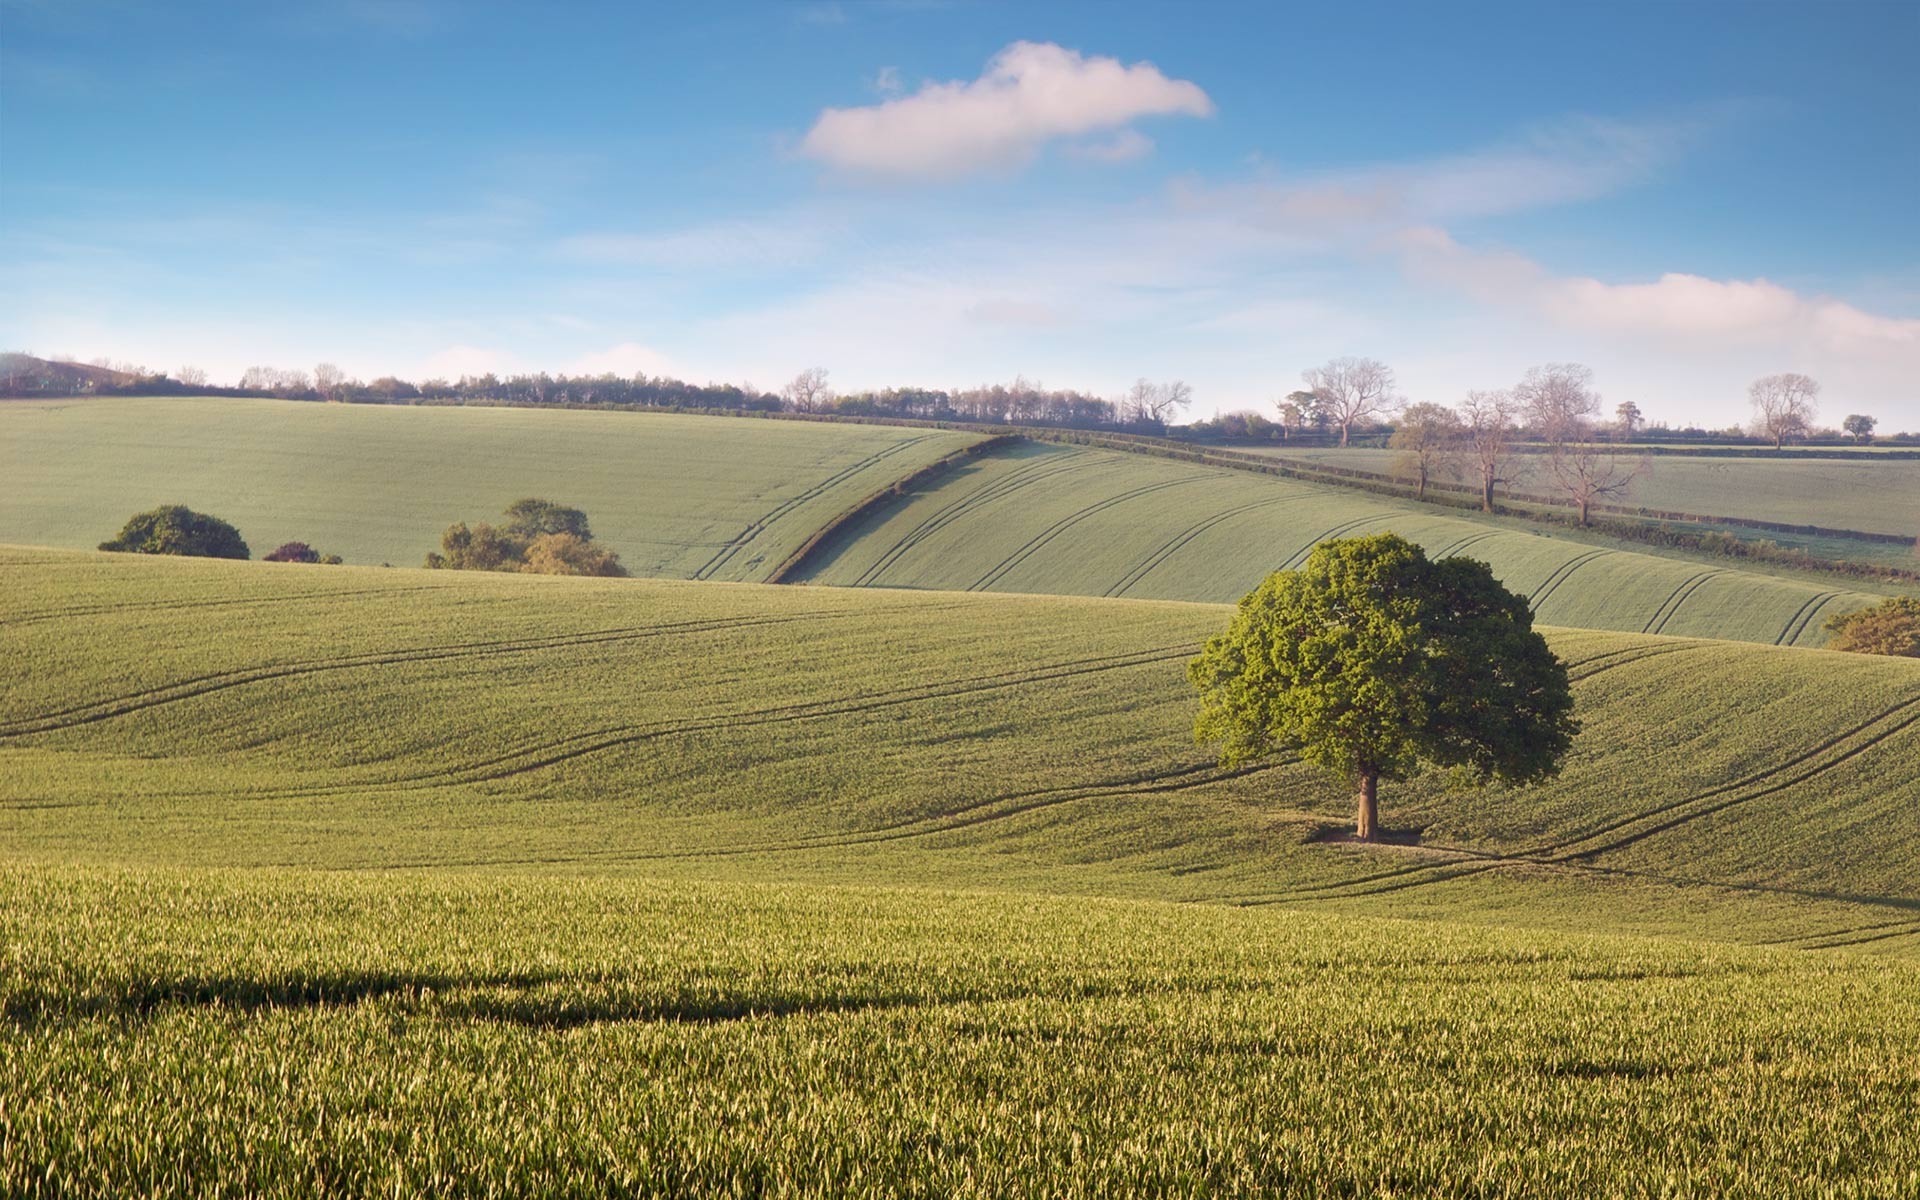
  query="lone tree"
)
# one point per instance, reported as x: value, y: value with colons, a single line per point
x: 1859, y: 427
x: 1426, y: 438
x: 1628, y: 414
x: 808, y: 391
x: 1372, y: 660
x: 1586, y: 472
x: 1783, y: 405
x: 1352, y: 391
x: 1490, y: 418
x: 177, y: 529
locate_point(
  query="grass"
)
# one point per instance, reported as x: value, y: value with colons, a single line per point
x: 291, y: 1033
x: 1875, y: 497
x: 176, y: 712
x: 347, y: 880
x: 1060, y: 519
x: 677, y: 496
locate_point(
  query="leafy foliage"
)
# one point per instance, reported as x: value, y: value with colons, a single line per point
x: 293, y: 552
x: 1892, y: 627
x: 1372, y: 660
x: 177, y: 529
x: 539, y: 538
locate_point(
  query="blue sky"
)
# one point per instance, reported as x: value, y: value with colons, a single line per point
x: 1684, y: 196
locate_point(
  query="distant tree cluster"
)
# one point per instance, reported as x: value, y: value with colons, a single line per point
x: 300, y: 552
x: 538, y: 537
x: 1147, y: 406
x: 1891, y: 627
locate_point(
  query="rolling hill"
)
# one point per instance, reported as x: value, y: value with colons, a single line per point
x: 1068, y: 519
x: 718, y: 498
x: 174, y: 712
x: 678, y: 496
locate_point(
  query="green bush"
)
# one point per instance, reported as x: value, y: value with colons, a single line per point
x: 177, y: 529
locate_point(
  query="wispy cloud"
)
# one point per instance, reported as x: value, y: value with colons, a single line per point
x: 1030, y: 94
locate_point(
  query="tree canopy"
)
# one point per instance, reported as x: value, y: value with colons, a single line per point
x: 1891, y: 627
x: 1372, y: 660
x: 538, y: 538
x: 177, y: 529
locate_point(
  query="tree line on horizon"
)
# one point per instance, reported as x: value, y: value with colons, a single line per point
x: 1343, y: 398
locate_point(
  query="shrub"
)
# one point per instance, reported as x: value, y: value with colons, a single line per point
x: 568, y: 554
x: 295, y: 552
x: 539, y: 538
x: 1892, y: 627
x: 177, y: 529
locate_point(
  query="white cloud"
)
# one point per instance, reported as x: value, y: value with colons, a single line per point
x: 626, y: 359
x: 1030, y: 94
x: 1676, y: 306
x: 1124, y: 146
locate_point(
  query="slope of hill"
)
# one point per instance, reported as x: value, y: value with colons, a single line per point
x: 677, y: 496
x: 179, y: 712
x: 1837, y: 493
x: 1066, y: 519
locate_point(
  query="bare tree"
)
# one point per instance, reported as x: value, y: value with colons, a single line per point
x: 1586, y: 470
x: 1783, y: 406
x: 1558, y: 399
x: 327, y: 379
x: 191, y: 376
x: 1426, y: 438
x: 1490, y: 420
x: 1352, y: 390
x: 808, y: 391
x: 259, y: 379
x: 1147, y: 401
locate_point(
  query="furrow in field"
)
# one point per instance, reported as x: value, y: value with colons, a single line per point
x: 1168, y: 548
x: 1797, y: 623
x: 754, y: 529
x: 1675, y: 598
x: 1560, y: 576
x: 1059, y: 527
x: 1015, y: 480
x: 1299, y: 556
x: 187, y: 689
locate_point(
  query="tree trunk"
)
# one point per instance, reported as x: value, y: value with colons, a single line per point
x: 1421, y: 494
x: 1343, y: 435
x: 1366, y: 821
x: 1486, y: 492
x: 1583, y: 512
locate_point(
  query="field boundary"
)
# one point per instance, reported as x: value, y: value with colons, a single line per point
x: 795, y: 562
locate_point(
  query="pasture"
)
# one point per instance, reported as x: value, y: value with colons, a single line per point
x: 684, y: 497
x: 1794, y: 489
x: 1065, y: 519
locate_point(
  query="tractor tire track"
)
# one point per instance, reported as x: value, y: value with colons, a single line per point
x: 1059, y: 527
x: 1552, y: 583
x: 1675, y: 599
x: 759, y: 525
x: 75, y: 613
x: 1167, y: 549
x: 1015, y: 480
x: 1299, y: 556
x: 1798, y: 622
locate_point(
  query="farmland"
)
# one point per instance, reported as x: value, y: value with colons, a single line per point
x: 1794, y: 489
x: 1066, y: 519
x: 678, y: 496
x: 298, y: 1033
x: 716, y: 498
x: 165, y: 712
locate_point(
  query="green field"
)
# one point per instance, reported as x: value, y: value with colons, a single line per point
x: 1066, y: 519
x: 292, y: 1033
x: 718, y: 498
x: 682, y: 497
x: 172, y: 712
x: 1835, y: 493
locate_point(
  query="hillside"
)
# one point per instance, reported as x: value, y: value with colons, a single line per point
x: 1796, y: 489
x: 1066, y: 519
x: 181, y: 712
x: 716, y: 498
x: 677, y: 496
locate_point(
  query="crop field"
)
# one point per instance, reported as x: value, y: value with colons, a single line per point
x: 1836, y: 493
x: 341, y: 879
x: 685, y: 497
x: 301, y: 1033
x: 175, y: 712
x: 1059, y: 519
